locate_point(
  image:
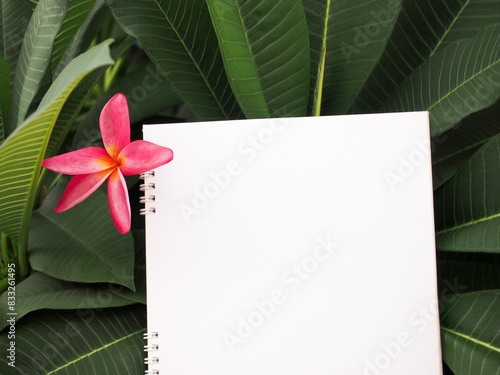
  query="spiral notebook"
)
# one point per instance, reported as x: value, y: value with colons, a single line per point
x: 292, y: 246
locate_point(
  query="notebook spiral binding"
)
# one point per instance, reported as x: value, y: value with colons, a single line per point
x: 146, y: 198
x: 150, y: 337
x: 151, y: 347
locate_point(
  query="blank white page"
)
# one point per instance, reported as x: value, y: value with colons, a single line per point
x: 299, y: 246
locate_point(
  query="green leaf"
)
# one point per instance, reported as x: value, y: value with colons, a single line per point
x: 461, y: 272
x: 14, y: 18
x: 469, y: 333
x: 184, y: 48
x: 34, y: 59
x: 354, y: 34
x: 461, y: 79
x: 476, y: 15
x: 147, y: 94
x: 2, y: 134
x: 85, y: 34
x: 77, y: 99
x: 318, y: 90
x: 467, y: 207
x: 453, y: 148
x: 423, y: 28
x: 22, y: 152
x: 139, y: 296
x: 4, y: 94
x: 40, y: 291
x: 75, y: 16
x: 78, y: 342
x: 81, y: 244
x: 265, y: 49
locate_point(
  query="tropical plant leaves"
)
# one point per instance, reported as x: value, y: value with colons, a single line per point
x: 64, y: 245
x: 469, y: 333
x: 75, y: 16
x: 467, y: 207
x: 179, y: 38
x: 475, y: 16
x: 463, y: 272
x: 354, y: 35
x: 77, y: 99
x: 147, y: 93
x: 418, y: 34
x: 34, y: 59
x: 139, y: 295
x: 14, y: 18
x: 2, y: 135
x: 265, y: 49
x: 453, y: 148
x: 54, y: 342
x: 22, y: 152
x: 84, y: 36
x: 461, y: 79
x: 40, y: 291
x: 4, y: 94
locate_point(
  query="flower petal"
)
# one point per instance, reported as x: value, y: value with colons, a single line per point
x: 118, y: 200
x: 142, y: 156
x: 85, y: 161
x: 115, y: 125
x: 80, y: 187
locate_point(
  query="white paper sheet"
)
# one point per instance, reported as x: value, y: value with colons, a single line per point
x: 299, y: 246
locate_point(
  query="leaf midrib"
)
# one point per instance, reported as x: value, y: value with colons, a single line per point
x: 72, y: 236
x: 192, y: 59
x: 463, y: 83
x: 250, y: 50
x: 97, y: 350
x: 462, y: 150
x: 449, y: 29
x: 470, y: 338
x: 457, y: 227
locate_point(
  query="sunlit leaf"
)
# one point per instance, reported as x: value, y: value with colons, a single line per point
x: 265, y: 49
x: 34, y: 59
x: 22, y: 152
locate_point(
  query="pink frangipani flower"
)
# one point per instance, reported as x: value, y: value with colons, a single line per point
x: 119, y: 157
